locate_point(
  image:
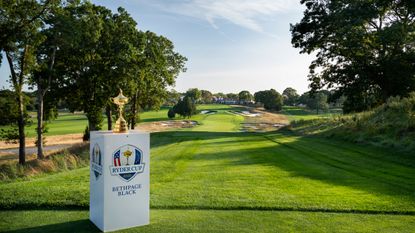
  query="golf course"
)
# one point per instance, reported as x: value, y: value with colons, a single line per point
x: 214, y: 177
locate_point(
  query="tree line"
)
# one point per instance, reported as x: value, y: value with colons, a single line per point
x: 82, y: 54
x: 184, y: 104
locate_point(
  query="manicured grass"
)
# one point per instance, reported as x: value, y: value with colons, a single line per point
x: 68, y: 123
x: 301, y: 113
x: 231, y: 170
x: 211, y: 221
x: 215, y: 178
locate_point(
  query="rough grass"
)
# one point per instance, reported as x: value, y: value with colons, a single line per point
x: 74, y: 157
x: 391, y: 125
x: 302, y: 113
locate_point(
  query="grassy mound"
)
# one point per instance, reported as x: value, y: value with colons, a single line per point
x: 74, y: 157
x: 389, y: 125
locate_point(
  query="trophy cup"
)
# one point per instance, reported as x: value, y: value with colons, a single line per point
x: 120, y: 124
x: 127, y: 154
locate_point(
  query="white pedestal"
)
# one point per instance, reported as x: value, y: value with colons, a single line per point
x: 119, y: 180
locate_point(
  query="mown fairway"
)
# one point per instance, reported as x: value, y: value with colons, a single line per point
x: 68, y: 123
x: 213, y: 178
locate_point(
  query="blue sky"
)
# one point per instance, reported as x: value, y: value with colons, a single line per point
x: 231, y: 45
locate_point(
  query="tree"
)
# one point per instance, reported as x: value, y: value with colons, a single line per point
x: 316, y: 101
x: 172, y: 97
x: 79, y: 61
x: 364, y: 48
x: 220, y: 95
x: 271, y: 99
x: 120, y: 47
x: 194, y: 94
x: 20, y: 24
x: 171, y: 114
x: 157, y: 68
x: 290, y: 96
x: 185, y: 107
x: 43, y: 74
x: 245, y: 97
x: 206, y: 96
x: 232, y: 96
x: 9, y: 115
x: 319, y: 102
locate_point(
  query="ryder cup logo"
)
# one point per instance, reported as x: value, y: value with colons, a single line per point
x: 96, y: 161
x: 127, y: 162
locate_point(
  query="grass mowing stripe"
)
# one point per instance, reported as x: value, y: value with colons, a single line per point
x: 339, y: 161
x: 211, y: 221
x: 243, y: 172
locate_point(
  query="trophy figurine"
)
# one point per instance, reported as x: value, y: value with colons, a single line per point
x: 120, y: 124
x: 127, y: 154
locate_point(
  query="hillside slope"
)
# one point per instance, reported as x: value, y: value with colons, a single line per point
x: 389, y: 125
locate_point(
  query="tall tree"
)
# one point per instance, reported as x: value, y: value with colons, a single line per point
x: 156, y: 69
x: 206, y: 96
x: 20, y: 23
x: 271, y: 99
x: 120, y: 47
x: 194, y: 93
x: 172, y: 97
x: 245, y: 96
x: 185, y: 107
x: 365, y: 49
x: 43, y: 74
x: 315, y: 100
x: 232, y: 96
x: 79, y: 60
x: 290, y: 96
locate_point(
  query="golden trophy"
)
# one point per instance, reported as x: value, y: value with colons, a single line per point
x: 120, y: 124
x: 127, y: 154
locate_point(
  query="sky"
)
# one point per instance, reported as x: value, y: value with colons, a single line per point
x: 231, y: 45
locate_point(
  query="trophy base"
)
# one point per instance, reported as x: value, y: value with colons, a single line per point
x: 120, y: 126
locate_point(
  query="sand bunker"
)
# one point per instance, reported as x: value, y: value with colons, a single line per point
x: 259, y: 120
x: 247, y: 113
x: 207, y: 112
x: 166, y: 125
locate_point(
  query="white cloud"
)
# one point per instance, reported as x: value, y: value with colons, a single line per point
x: 244, y: 13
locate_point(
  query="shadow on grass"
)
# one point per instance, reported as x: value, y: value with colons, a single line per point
x: 366, y: 168
x: 78, y: 226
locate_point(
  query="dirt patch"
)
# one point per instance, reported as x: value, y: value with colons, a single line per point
x: 12, y: 154
x: 55, y: 144
x: 50, y: 140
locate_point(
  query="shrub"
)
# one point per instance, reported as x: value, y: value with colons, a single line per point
x: 171, y: 114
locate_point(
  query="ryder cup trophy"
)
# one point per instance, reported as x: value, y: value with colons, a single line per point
x: 119, y: 175
x: 120, y: 124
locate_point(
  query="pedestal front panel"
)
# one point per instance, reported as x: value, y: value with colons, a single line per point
x: 119, y: 179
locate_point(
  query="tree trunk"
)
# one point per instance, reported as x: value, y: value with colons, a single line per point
x: 40, y: 154
x: 22, y: 136
x: 17, y: 81
x: 40, y: 98
x: 134, y: 111
x: 91, y: 125
x: 109, y: 116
